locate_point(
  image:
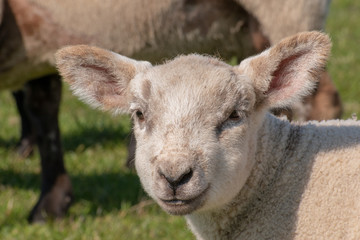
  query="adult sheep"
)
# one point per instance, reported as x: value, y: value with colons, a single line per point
x: 32, y: 30
x: 208, y: 148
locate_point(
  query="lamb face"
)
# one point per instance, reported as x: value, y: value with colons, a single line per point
x: 196, y: 118
x: 192, y: 124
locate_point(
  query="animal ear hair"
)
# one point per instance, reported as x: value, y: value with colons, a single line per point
x: 289, y: 70
x: 97, y: 76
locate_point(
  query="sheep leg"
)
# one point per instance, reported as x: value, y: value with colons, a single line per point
x: 325, y: 102
x: 27, y: 140
x: 42, y: 100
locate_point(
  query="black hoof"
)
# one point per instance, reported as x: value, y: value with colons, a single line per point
x: 53, y: 204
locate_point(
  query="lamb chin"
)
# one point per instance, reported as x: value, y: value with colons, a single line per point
x: 178, y: 207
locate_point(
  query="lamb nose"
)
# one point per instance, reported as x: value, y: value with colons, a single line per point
x: 175, y: 182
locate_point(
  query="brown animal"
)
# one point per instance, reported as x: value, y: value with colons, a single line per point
x: 32, y: 30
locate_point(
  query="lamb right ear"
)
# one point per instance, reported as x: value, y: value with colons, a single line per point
x: 288, y: 71
x: 99, y: 77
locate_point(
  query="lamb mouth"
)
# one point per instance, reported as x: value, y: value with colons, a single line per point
x: 183, y: 206
x: 177, y: 202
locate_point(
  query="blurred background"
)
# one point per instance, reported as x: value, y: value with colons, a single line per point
x: 109, y: 202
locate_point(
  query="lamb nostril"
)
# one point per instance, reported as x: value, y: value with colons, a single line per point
x: 185, y: 177
x: 176, y: 182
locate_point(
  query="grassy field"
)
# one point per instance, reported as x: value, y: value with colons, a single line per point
x: 110, y: 203
x: 344, y: 29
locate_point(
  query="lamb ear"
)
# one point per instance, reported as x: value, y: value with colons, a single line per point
x: 287, y: 71
x: 97, y: 76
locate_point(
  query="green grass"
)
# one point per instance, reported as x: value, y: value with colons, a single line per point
x: 344, y: 29
x: 110, y: 203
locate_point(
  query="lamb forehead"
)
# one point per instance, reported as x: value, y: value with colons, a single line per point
x: 191, y: 81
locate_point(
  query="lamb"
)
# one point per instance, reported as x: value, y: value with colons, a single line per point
x: 209, y: 149
x: 32, y: 30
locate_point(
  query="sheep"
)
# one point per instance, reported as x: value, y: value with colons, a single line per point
x: 38, y: 28
x: 209, y: 149
x: 32, y: 30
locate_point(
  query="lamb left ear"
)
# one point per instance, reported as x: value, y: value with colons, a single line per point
x: 99, y: 77
x: 289, y: 70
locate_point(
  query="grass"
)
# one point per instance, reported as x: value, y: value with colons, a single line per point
x: 110, y: 203
x: 343, y: 27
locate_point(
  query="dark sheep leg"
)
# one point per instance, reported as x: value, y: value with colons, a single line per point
x: 27, y: 140
x: 42, y: 100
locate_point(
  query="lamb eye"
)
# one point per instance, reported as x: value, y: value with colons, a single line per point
x: 234, y: 116
x: 140, y: 115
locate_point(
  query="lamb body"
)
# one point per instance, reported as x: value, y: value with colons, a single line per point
x: 208, y: 149
x: 304, y: 185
